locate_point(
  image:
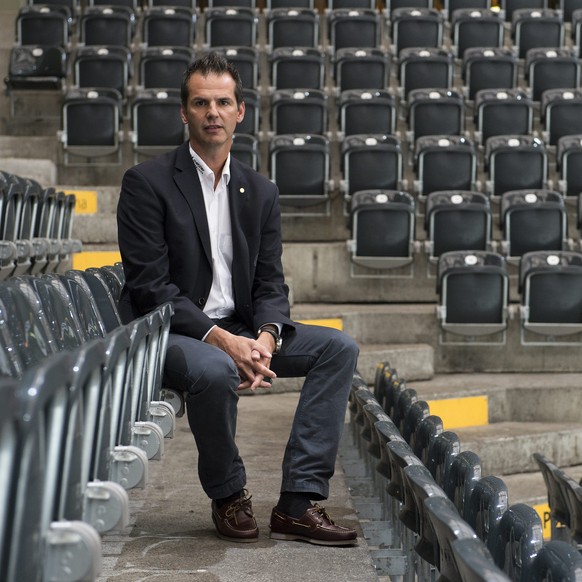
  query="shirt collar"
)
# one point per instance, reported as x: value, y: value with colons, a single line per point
x: 203, y: 168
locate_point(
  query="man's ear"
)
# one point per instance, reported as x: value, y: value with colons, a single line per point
x: 183, y: 115
x: 241, y: 112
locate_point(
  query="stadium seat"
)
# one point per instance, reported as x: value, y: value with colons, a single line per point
x: 417, y: 412
x: 434, y: 112
x: 446, y: 445
x: 551, y: 283
x: 532, y: 220
x: 354, y: 27
x: 293, y: 68
x: 474, y: 562
x: 561, y: 113
x: 556, y: 560
x: 43, y: 25
x: 518, y: 542
x: 361, y: 68
x: 163, y: 67
x: 449, y: 6
x: 245, y: 148
x: 251, y: 122
x: 299, y: 165
x: 103, y: 68
x: 299, y: 111
x: 488, y: 68
x: 426, y: 432
x: 510, y: 6
x: 448, y: 527
x: 556, y: 68
x: 568, y: 162
x: 168, y: 26
x: 246, y: 60
x: 464, y: 474
x: 382, y: 223
x: 292, y: 28
x: 35, y: 68
x: 473, y: 289
x: 421, y: 486
x: 156, y: 123
x: 425, y: 68
x: 226, y: 26
x: 515, y: 162
x: 499, y: 112
x: 444, y: 162
x: 107, y: 26
x: 365, y: 112
x: 91, y: 124
x: 488, y: 502
x: 534, y: 28
x: 572, y: 493
x: 415, y: 27
x: 457, y: 220
x: 476, y: 28
x: 371, y: 162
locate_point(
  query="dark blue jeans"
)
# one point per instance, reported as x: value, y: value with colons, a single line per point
x: 325, y: 357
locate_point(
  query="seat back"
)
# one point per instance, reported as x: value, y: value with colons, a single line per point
x: 488, y: 68
x: 383, y: 227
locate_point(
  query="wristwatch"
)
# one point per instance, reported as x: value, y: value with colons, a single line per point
x: 273, y: 331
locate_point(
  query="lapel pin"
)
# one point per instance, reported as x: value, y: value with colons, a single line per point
x: 242, y: 190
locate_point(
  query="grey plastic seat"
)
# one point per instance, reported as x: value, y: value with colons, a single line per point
x: 445, y: 447
x: 420, y: 485
x: 488, y: 68
x: 557, y: 560
x: 519, y: 541
x: 382, y: 228
x: 550, y: 284
x: 486, y: 505
x: 448, y: 527
x: 533, y: 220
x: 473, y: 287
x: 474, y: 562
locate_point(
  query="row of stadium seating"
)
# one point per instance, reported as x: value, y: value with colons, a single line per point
x: 82, y: 418
x: 36, y: 226
x: 448, y: 520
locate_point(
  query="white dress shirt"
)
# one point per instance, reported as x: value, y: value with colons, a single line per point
x: 220, y: 302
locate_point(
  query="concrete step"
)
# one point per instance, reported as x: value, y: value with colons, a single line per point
x: 506, y: 448
x: 414, y: 360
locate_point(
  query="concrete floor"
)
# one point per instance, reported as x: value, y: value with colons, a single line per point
x: 171, y: 536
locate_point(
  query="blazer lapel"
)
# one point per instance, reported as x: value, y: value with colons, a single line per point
x: 186, y: 178
x: 238, y: 192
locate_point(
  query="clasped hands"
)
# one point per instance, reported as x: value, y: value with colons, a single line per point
x: 251, y: 356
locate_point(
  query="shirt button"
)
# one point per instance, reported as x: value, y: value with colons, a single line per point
x: 201, y: 301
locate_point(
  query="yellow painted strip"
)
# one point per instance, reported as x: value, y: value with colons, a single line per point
x: 543, y: 510
x: 461, y: 412
x: 88, y: 259
x: 85, y: 201
x: 336, y: 323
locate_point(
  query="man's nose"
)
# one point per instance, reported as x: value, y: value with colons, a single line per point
x: 212, y: 110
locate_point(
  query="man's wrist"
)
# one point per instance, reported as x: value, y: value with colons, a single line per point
x: 273, y: 331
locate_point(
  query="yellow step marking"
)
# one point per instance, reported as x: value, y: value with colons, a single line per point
x: 87, y: 259
x: 85, y: 201
x: 336, y: 323
x: 461, y: 412
x: 543, y: 510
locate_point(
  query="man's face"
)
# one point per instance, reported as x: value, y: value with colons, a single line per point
x: 211, y: 111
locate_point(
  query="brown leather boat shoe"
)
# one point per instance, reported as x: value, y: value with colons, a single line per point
x: 235, y: 521
x: 315, y: 527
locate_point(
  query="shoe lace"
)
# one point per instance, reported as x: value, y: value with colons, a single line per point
x: 321, y: 510
x: 241, y: 504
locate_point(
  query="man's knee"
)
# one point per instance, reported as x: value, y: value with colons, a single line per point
x: 195, y: 372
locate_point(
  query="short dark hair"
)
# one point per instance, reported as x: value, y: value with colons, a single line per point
x: 215, y: 64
